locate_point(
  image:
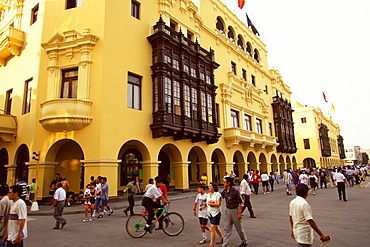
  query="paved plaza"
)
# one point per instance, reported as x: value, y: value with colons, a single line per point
x: 348, y: 223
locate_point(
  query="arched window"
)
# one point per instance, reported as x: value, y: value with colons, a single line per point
x: 249, y: 48
x: 240, y: 42
x: 256, y: 55
x: 220, y: 25
x: 230, y: 34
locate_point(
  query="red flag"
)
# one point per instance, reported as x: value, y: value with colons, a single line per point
x: 324, y: 97
x: 241, y: 3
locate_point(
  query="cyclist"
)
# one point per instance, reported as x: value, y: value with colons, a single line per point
x: 148, y: 202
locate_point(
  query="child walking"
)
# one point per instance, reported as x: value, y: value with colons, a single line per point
x: 200, y: 204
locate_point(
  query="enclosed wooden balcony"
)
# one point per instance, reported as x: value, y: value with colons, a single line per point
x: 59, y: 115
x: 8, y: 127
x: 249, y: 139
x: 11, y: 43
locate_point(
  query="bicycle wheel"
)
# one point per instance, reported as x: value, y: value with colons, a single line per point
x: 173, y: 224
x: 135, y: 225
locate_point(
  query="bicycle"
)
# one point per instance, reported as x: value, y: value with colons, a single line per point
x: 173, y: 223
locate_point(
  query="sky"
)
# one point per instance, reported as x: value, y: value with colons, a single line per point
x: 320, y: 46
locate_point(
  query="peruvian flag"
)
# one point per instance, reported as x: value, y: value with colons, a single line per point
x: 241, y: 3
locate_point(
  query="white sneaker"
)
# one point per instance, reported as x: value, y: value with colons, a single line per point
x: 203, y: 241
x: 90, y: 219
x: 93, y: 215
x: 85, y: 220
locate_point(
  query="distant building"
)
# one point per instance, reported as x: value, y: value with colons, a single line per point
x: 365, y: 158
x: 353, y: 155
x: 318, y: 138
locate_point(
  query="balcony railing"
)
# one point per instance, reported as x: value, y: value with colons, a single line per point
x: 59, y: 115
x: 11, y: 43
x: 249, y: 139
x: 8, y: 127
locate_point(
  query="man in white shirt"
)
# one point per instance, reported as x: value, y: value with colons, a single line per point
x: 246, y: 192
x: 303, y: 178
x: 5, y: 205
x: 149, y: 202
x: 58, y: 205
x: 301, y: 220
x: 341, y: 181
x: 17, y: 227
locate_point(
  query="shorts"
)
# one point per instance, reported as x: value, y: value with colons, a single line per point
x: 215, y: 220
x: 289, y: 186
x: 89, y: 206
x: 203, y: 221
x: 97, y: 202
x: 104, y: 203
x: 32, y: 196
x: 265, y: 183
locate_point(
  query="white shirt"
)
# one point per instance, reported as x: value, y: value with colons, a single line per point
x: 244, y: 188
x: 339, y: 177
x: 213, y: 211
x: 60, y: 194
x: 265, y: 177
x: 199, y: 201
x: 5, y: 205
x: 301, y: 212
x: 148, y: 186
x: 153, y: 192
x: 287, y: 177
x: 98, y: 190
x: 17, y: 212
x: 303, y: 179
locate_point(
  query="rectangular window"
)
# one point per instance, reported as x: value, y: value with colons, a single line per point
x: 187, y: 100
x: 303, y: 120
x: 266, y: 89
x: 173, y: 24
x: 233, y: 67
x: 34, y: 14
x: 247, y: 120
x: 73, y: 4
x: 244, y: 74
x: 168, y: 94
x: 8, y: 101
x: 176, y: 97
x: 234, y: 118
x: 27, y: 96
x: 134, y: 92
x: 135, y: 9
x: 194, y: 99
x: 190, y: 35
x: 69, y: 83
x: 259, y: 125
x: 204, y: 106
x: 253, y: 80
x: 306, y: 143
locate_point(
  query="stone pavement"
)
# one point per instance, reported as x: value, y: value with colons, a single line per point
x: 45, y: 209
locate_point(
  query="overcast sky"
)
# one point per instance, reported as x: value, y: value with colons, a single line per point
x: 320, y: 46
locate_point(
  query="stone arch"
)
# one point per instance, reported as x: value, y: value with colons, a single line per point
x: 274, y: 163
x: 231, y: 33
x: 22, y: 156
x: 288, y: 162
x: 67, y: 155
x: 4, y: 160
x: 218, y: 165
x: 168, y: 156
x: 240, y: 41
x: 294, y: 161
x: 131, y: 154
x: 263, y: 162
x: 252, y: 162
x: 197, y: 165
x: 256, y: 55
x: 239, y: 164
x: 309, y: 162
x: 281, y: 164
x: 248, y: 48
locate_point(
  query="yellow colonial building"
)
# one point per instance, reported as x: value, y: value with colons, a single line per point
x: 318, y: 138
x: 170, y: 88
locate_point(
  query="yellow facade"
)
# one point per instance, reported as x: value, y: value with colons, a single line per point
x: 306, y: 125
x: 94, y: 132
